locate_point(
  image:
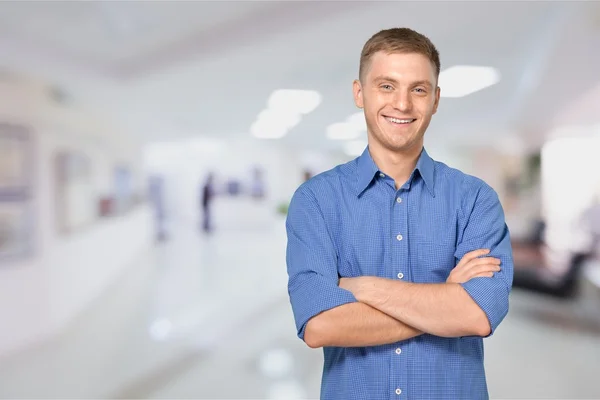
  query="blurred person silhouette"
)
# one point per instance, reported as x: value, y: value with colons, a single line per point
x: 398, y: 265
x: 306, y: 174
x: 157, y: 199
x: 207, y: 194
x: 257, y: 189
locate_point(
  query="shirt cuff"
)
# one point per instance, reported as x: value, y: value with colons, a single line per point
x: 315, y: 295
x: 491, y: 296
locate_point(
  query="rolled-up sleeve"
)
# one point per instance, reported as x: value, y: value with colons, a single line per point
x: 311, y: 261
x: 485, y: 228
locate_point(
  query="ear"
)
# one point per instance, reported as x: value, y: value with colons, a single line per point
x: 437, y: 99
x: 358, y: 96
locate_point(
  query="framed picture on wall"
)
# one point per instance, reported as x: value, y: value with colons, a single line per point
x: 16, y: 236
x: 15, y: 161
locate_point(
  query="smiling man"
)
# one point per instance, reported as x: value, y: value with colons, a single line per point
x: 398, y: 265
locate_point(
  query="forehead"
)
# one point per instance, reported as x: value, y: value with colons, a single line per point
x: 401, y: 66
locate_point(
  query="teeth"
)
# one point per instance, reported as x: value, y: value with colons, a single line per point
x: 400, y: 121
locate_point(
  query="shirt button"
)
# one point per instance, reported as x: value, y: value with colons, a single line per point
x: 382, y: 175
x: 398, y: 350
x: 398, y: 391
x: 399, y: 200
x: 400, y: 275
x: 399, y: 237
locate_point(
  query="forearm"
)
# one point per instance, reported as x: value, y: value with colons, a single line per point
x: 442, y: 309
x: 354, y: 325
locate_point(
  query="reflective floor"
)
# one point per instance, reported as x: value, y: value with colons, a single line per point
x: 208, y: 317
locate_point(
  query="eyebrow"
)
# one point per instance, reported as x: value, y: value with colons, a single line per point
x: 390, y: 79
x: 424, y: 82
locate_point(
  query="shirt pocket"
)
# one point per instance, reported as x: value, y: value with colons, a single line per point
x: 435, y: 261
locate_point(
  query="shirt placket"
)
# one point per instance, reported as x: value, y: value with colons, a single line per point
x: 400, y: 268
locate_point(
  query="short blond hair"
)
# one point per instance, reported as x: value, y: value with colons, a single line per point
x: 398, y: 40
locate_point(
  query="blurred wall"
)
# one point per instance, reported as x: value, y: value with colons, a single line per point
x: 571, y: 184
x: 40, y: 294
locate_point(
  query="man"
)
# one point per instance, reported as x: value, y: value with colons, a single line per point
x: 373, y: 246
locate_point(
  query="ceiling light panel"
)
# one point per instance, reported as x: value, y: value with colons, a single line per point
x: 463, y: 80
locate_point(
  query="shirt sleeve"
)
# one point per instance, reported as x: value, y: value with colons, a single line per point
x: 311, y: 261
x: 485, y: 228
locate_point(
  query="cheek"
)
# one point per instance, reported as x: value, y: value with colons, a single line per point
x: 426, y: 108
x: 371, y: 110
x: 378, y: 98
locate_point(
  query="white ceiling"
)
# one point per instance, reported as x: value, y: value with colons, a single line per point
x: 173, y: 69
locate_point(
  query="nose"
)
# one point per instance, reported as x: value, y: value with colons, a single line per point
x: 403, y: 101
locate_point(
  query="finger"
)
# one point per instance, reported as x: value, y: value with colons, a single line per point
x: 479, y: 261
x: 484, y: 275
x: 485, y: 268
x: 488, y: 260
x: 473, y: 255
x: 483, y: 261
x: 482, y: 268
x: 477, y: 253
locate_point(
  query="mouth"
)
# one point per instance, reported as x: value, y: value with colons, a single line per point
x: 400, y: 121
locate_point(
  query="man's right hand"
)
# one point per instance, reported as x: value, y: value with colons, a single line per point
x: 474, y: 265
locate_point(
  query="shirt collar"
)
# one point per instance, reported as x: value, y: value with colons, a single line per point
x: 426, y: 167
x: 367, y: 169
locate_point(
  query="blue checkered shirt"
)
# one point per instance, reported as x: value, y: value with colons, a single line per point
x: 347, y: 222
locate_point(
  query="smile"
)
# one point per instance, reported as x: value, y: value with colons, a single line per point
x: 400, y: 121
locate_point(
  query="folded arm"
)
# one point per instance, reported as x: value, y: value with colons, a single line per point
x: 443, y: 309
x: 325, y: 314
x: 472, y: 308
x: 355, y: 325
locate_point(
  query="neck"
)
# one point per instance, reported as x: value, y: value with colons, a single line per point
x: 396, y: 164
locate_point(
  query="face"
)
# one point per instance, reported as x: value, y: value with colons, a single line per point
x: 399, y: 95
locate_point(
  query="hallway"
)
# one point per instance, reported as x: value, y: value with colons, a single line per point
x: 208, y: 317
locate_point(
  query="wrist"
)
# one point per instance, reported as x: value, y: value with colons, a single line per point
x: 372, y: 291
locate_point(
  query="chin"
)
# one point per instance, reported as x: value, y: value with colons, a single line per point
x: 402, y: 147
x: 395, y: 147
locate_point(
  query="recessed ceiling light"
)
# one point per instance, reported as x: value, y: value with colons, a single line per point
x: 357, y: 120
x: 268, y: 131
x: 284, y: 111
x: 279, y: 118
x: 462, y: 80
x: 299, y: 101
x: 352, y: 128
x: 273, y: 124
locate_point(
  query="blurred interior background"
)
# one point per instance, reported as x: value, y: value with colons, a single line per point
x: 148, y: 151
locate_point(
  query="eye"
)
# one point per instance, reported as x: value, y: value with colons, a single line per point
x: 386, y: 87
x: 420, y: 90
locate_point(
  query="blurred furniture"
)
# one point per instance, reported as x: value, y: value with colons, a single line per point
x: 540, y: 279
x: 534, y: 270
x: 528, y: 252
